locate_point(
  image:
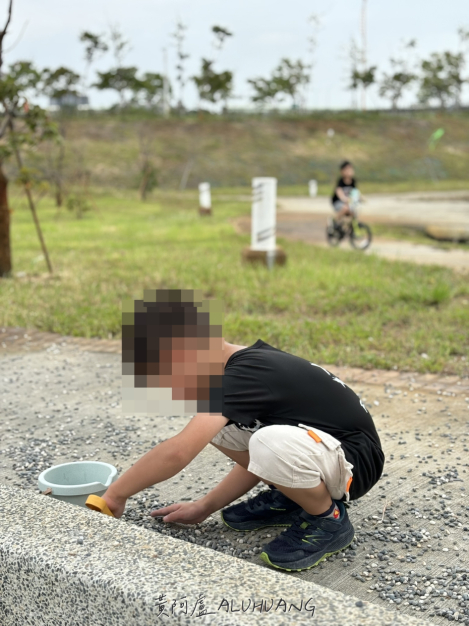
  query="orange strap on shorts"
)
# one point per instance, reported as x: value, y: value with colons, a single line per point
x: 318, y: 439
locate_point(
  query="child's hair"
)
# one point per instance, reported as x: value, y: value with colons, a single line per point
x: 163, y: 314
x: 345, y: 164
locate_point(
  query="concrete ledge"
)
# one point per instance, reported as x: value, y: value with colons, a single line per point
x: 119, y: 575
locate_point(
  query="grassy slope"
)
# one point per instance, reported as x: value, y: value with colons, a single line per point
x: 326, y: 305
x: 390, y: 151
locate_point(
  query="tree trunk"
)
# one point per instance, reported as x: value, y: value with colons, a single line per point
x: 58, y: 194
x: 59, y: 171
x: 146, y: 174
x: 5, y: 250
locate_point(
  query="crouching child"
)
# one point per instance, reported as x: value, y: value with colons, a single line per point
x: 283, y: 419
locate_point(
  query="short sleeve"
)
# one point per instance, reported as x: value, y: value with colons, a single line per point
x: 246, y: 397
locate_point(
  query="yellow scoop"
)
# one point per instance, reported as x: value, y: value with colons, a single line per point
x: 95, y: 503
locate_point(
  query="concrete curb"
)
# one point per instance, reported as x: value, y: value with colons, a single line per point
x: 63, y: 565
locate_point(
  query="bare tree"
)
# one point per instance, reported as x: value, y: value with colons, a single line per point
x: 401, y: 77
x: 353, y: 59
x: 315, y: 24
x: 221, y: 34
x: 179, y: 37
x: 364, y: 68
x: 52, y: 165
x: 147, y: 169
x: 166, y: 88
x: 95, y: 46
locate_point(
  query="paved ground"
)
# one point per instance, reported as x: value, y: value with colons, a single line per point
x: 304, y: 219
x: 60, y: 401
x: 310, y: 228
x: 413, y: 209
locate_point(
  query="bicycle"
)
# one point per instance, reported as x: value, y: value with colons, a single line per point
x: 359, y: 233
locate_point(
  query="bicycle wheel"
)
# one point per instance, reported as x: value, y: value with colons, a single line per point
x: 361, y: 236
x: 333, y: 236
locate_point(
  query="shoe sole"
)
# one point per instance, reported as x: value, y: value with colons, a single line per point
x: 247, y: 530
x: 265, y: 557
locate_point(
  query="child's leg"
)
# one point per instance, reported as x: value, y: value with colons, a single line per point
x: 268, y: 508
x: 314, y: 501
x: 241, y: 457
x: 310, y: 471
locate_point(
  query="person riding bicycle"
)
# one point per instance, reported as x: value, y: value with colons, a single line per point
x: 342, y: 198
x: 345, y: 201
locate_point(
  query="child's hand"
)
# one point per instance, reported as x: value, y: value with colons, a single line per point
x: 183, y: 513
x: 117, y: 505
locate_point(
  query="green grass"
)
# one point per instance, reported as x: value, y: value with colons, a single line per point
x: 330, y: 306
x: 390, y: 151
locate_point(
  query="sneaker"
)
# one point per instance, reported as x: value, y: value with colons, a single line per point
x: 309, y: 540
x: 268, y: 508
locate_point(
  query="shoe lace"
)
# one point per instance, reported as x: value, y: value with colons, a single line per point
x: 256, y: 502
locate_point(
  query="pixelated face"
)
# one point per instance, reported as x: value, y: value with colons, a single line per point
x: 171, y: 340
x: 186, y: 364
x: 348, y: 172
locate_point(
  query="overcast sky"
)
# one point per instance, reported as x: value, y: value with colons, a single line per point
x: 264, y: 32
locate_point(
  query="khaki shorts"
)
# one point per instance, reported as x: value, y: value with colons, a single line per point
x: 288, y: 456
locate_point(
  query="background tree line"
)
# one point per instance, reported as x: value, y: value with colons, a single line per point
x: 437, y: 79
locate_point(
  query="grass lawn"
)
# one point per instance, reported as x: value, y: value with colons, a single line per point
x: 327, y: 305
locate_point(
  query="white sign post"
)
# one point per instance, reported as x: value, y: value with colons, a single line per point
x: 205, y: 199
x: 264, y: 200
x: 263, y: 223
x: 313, y: 188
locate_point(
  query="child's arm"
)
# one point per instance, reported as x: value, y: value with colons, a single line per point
x: 341, y: 195
x: 238, y: 482
x: 165, y: 460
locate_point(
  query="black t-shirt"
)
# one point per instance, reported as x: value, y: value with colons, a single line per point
x: 263, y: 385
x: 346, y: 187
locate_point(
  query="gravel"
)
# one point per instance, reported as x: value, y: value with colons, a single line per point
x: 412, y: 530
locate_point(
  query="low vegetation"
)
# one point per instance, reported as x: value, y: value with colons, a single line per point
x: 330, y: 306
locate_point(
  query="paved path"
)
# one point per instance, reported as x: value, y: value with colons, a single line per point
x: 422, y: 254
x: 61, y: 401
x: 414, y: 209
x: 305, y: 220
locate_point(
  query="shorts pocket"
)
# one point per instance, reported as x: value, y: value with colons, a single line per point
x: 320, y: 436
